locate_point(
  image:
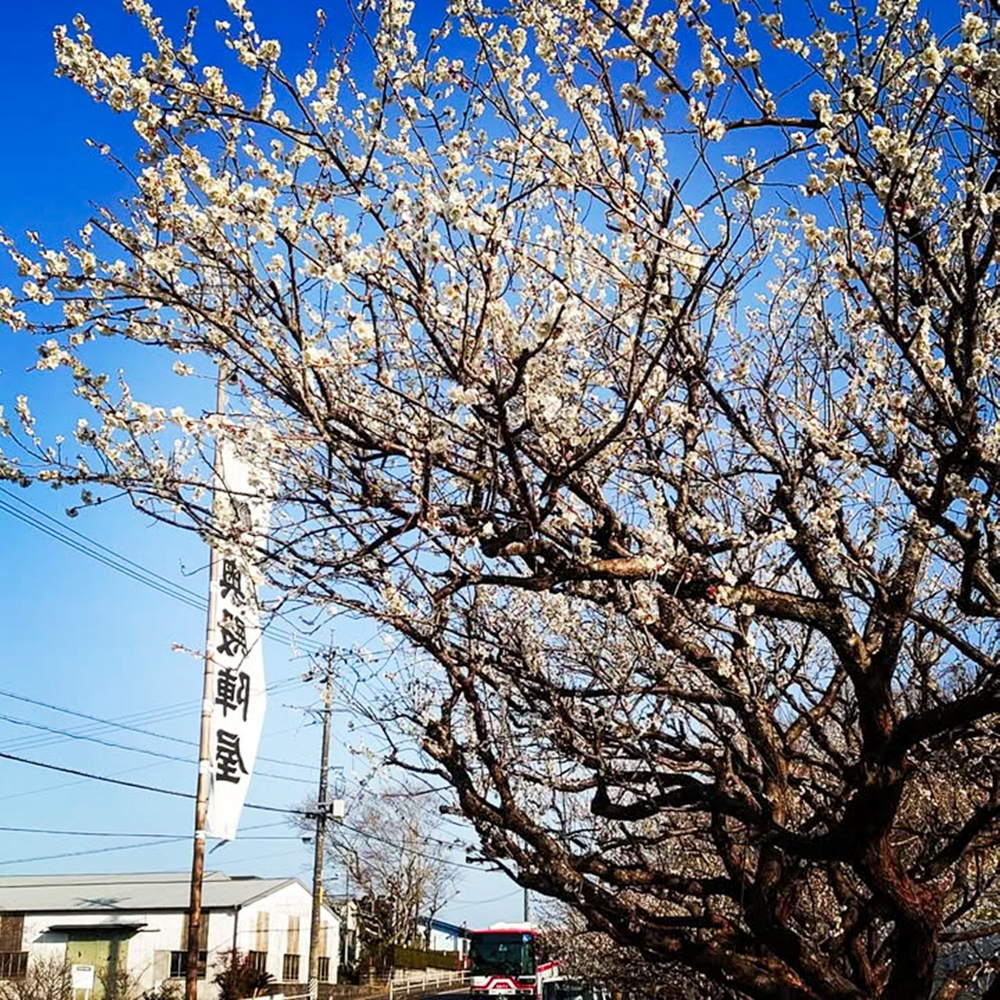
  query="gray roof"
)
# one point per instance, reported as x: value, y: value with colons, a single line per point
x: 122, y: 893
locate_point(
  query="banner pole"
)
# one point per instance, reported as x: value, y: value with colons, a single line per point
x: 204, y: 745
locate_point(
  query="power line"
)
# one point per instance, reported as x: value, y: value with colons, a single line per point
x: 88, y: 546
x: 177, y: 710
x: 60, y: 881
x: 482, y: 902
x: 406, y: 849
x: 172, y: 839
x: 44, y: 790
x: 178, y: 594
x: 249, y: 805
x: 121, y: 746
x: 161, y: 714
x: 147, y: 732
x: 183, y: 878
x: 95, y: 850
x: 144, y: 787
x: 90, y: 739
x: 84, y: 833
x: 264, y: 857
x: 136, y: 729
x: 122, y: 847
x: 135, y: 784
x: 31, y: 744
x: 118, y: 833
x: 158, y: 840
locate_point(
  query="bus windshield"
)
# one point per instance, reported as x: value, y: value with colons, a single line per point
x: 502, y: 954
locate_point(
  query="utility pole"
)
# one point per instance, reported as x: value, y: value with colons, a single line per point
x: 527, y: 907
x: 322, y: 811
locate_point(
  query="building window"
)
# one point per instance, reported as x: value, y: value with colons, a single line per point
x: 290, y: 969
x: 11, y: 932
x: 13, y: 964
x: 179, y: 964
x: 258, y: 961
x: 13, y: 961
x: 324, y: 969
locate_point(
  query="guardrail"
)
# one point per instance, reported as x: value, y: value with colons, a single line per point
x: 433, y: 981
x: 426, y: 982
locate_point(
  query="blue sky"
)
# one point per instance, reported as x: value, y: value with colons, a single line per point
x: 81, y: 637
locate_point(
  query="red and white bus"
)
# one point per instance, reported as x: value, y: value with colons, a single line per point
x: 506, y: 960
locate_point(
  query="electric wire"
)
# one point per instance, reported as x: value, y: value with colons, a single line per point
x: 143, y: 574
x: 181, y: 594
x: 286, y: 811
x: 149, y: 581
x: 170, y: 588
x: 46, y: 789
x: 174, y: 739
x: 155, y: 581
x: 86, y: 545
x: 358, y: 787
x: 96, y: 879
x: 95, y: 850
x: 192, y: 595
x: 43, y: 831
x: 139, y: 750
x: 143, y: 732
x: 175, y: 839
x: 482, y: 902
x: 168, y: 713
x: 163, y: 713
x: 134, y: 784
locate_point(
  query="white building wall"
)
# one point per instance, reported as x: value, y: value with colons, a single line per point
x: 292, y: 900
x: 442, y: 940
x: 38, y: 944
x: 168, y: 933
x: 150, y: 947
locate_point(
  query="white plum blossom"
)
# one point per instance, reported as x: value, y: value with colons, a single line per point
x: 634, y: 369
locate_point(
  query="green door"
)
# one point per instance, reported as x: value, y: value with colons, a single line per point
x: 108, y: 956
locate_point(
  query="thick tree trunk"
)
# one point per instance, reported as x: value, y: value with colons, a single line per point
x: 912, y: 974
x: 917, y: 918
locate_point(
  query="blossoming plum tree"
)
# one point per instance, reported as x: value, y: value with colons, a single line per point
x: 638, y: 367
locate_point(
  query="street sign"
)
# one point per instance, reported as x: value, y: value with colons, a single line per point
x: 82, y: 977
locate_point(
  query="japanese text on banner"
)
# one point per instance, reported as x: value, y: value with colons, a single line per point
x: 239, y: 689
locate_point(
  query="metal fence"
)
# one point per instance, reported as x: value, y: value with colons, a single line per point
x: 409, y: 984
x: 433, y: 981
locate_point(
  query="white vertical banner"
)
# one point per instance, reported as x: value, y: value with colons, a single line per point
x: 234, y: 638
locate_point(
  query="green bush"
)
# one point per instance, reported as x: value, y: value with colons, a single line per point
x: 400, y: 957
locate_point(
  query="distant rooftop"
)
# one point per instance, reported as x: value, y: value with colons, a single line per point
x: 129, y: 892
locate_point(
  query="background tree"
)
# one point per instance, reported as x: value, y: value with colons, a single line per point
x: 51, y: 979
x: 637, y: 367
x: 397, y: 866
x: 46, y: 979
